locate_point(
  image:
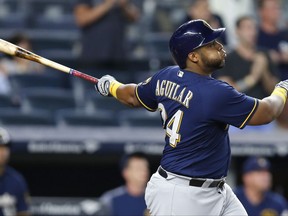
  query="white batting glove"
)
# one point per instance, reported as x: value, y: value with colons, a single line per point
x: 283, y: 84
x: 103, y: 85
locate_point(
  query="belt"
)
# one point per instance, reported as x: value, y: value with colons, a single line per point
x: 196, y: 182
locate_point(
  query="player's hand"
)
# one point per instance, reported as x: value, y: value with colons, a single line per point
x: 103, y: 85
x: 283, y: 84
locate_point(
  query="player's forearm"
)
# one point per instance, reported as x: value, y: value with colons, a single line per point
x: 275, y: 104
x: 269, y: 108
x: 126, y: 95
x: 85, y: 15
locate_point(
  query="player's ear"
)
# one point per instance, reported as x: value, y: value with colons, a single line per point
x: 193, y: 57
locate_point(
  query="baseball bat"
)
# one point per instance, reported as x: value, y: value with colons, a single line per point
x: 14, y: 50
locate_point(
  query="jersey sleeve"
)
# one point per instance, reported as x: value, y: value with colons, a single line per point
x: 230, y: 106
x: 145, y: 93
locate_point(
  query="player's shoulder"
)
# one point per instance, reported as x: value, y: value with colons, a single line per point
x: 10, y: 171
x: 114, y: 193
x: 276, y: 198
x: 14, y: 176
x: 239, y: 191
x: 218, y: 87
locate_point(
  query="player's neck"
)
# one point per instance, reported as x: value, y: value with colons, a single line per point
x: 2, y: 168
x: 200, y: 72
x: 255, y: 197
x: 134, y: 189
x: 269, y: 27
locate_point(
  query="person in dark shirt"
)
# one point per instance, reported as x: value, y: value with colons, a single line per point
x: 275, y: 39
x: 14, y: 196
x: 103, y: 24
x: 248, y: 68
x: 128, y: 200
x: 200, y: 9
x: 255, y: 194
x: 271, y: 36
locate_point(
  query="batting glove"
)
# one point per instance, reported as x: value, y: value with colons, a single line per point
x: 283, y: 84
x: 103, y: 85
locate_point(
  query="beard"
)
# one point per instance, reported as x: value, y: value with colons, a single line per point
x: 212, y: 63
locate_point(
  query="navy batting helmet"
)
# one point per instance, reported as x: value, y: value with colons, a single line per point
x: 190, y: 36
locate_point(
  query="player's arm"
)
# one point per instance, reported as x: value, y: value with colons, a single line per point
x: 85, y: 14
x: 271, y: 107
x: 125, y: 93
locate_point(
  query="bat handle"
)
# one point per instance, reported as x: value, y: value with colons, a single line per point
x: 83, y: 76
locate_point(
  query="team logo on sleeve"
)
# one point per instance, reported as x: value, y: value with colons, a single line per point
x: 146, y: 81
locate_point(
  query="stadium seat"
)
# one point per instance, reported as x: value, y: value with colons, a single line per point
x: 139, y: 118
x: 17, y: 117
x: 82, y: 118
x: 49, y: 99
x: 50, y: 79
x: 98, y: 102
x: 7, y: 101
x: 63, y: 22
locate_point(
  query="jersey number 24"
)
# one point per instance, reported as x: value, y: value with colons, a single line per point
x: 173, y: 126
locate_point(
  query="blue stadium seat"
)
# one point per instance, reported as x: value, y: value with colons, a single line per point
x: 31, y: 80
x: 64, y: 22
x: 17, y: 117
x: 97, y: 102
x: 140, y: 118
x: 49, y: 99
x: 82, y: 118
x: 7, y: 101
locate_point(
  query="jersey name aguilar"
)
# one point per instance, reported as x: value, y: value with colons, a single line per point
x: 173, y: 91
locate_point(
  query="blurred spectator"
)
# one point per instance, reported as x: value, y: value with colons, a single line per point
x: 14, y: 65
x: 103, y: 24
x: 275, y: 38
x: 14, y: 196
x: 230, y: 11
x: 249, y: 69
x: 271, y: 35
x: 128, y: 199
x: 200, y: 9
x: 255, y: 194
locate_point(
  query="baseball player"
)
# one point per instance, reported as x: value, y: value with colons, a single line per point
x: 196, y: 110
x: 14, y: 198
x: 255, y: 194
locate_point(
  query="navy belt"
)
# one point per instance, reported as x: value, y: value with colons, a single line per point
x: 196, y: 182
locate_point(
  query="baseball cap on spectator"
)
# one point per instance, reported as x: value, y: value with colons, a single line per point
x: 256, y: 164
x: 4, y: 137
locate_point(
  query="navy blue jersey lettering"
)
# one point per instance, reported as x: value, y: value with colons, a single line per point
x: 196, y: 112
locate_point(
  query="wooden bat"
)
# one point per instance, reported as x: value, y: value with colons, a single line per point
x: 14, y: 50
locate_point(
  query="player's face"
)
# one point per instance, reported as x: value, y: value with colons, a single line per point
x: 137, y: 172
x: 212, y: 55
x: 259, y: 180
x: 247, y: 32
x: 4, y: 155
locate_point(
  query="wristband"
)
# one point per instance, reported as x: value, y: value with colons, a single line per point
x: 281, y: 92
x: 114, y: 85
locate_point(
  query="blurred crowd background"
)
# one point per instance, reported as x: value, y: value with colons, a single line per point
x: 67, y: 141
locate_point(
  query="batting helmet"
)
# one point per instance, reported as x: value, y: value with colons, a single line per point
x: 4, y: 137
x: 190, y: 36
